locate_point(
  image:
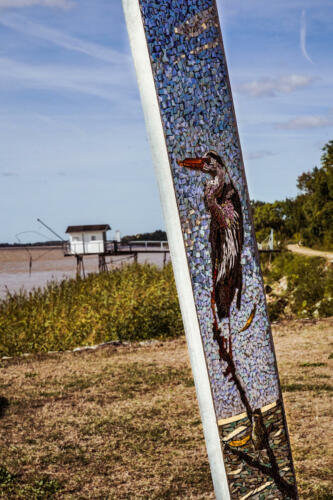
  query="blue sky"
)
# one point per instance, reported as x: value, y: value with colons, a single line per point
x: 74, y: 147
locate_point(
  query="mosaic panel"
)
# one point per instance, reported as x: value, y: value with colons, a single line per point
x: 272, y: 464
x: 191, y: 80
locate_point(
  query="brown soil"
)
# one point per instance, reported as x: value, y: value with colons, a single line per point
x: 123, y: 423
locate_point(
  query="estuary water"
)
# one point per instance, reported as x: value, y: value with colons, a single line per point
x: 50, y: 264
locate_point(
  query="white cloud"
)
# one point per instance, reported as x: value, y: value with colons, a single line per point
x: 23, y: 25
x: 303, y: 31
x: 14, y: 4
x: 270, y: 87
x: 108, y: 83
x: 306, y: 122
x: 258, y: 155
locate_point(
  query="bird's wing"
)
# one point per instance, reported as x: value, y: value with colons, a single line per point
x: 228, y: 252
x: 231, y: 234
x: 235, y: 200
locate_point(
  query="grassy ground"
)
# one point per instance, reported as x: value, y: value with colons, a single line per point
x: 123, y: 423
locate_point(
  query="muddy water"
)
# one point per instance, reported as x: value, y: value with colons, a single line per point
x: 50, y: 264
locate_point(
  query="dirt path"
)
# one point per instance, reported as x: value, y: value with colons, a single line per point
x: 310, y: 253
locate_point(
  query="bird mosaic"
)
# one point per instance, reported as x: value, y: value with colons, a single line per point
x: 195, y: 104
x: 226, y: 239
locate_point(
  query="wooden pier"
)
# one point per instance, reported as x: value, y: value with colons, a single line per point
x: 118, y: 249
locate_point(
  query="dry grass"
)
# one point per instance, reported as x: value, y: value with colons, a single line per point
x: 305, y: 357
x: 123, y: 423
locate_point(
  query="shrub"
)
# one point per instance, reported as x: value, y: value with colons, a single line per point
x: 310, y: 284
x: 132, y: 303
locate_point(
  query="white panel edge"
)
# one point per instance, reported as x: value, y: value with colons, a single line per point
x: 176, y: 243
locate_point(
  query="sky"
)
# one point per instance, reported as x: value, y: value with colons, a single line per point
x: 73, y: 144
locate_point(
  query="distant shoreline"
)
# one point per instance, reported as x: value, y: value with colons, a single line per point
x: 31, y: 246
x: 51, y: 244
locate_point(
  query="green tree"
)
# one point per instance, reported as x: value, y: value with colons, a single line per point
x: 269, y: 216
x: 316, y: 187
x: 309, y: 216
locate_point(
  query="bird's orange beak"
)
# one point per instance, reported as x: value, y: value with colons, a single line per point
x: 192, y: 163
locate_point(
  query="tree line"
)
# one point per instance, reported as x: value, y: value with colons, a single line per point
x: 307, y: 218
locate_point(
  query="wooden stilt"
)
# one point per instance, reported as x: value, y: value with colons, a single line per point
x: 79, y: 266
x: 102, y: 265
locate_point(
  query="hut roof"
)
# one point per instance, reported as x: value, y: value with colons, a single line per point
x: 88, y: 227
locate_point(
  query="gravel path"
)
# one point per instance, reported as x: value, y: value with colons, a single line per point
x: 310, y: 253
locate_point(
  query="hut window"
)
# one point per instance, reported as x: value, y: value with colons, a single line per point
x: 93, y: 238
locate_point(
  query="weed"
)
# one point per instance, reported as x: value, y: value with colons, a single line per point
x: 44, y: 488
x: 14, y: 487
x: 5, y: 476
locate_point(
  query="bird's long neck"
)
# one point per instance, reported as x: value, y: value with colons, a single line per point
x: 214, y: 188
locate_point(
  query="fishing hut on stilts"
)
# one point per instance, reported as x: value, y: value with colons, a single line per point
x: 87, y: 240
x: 91, y: 240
